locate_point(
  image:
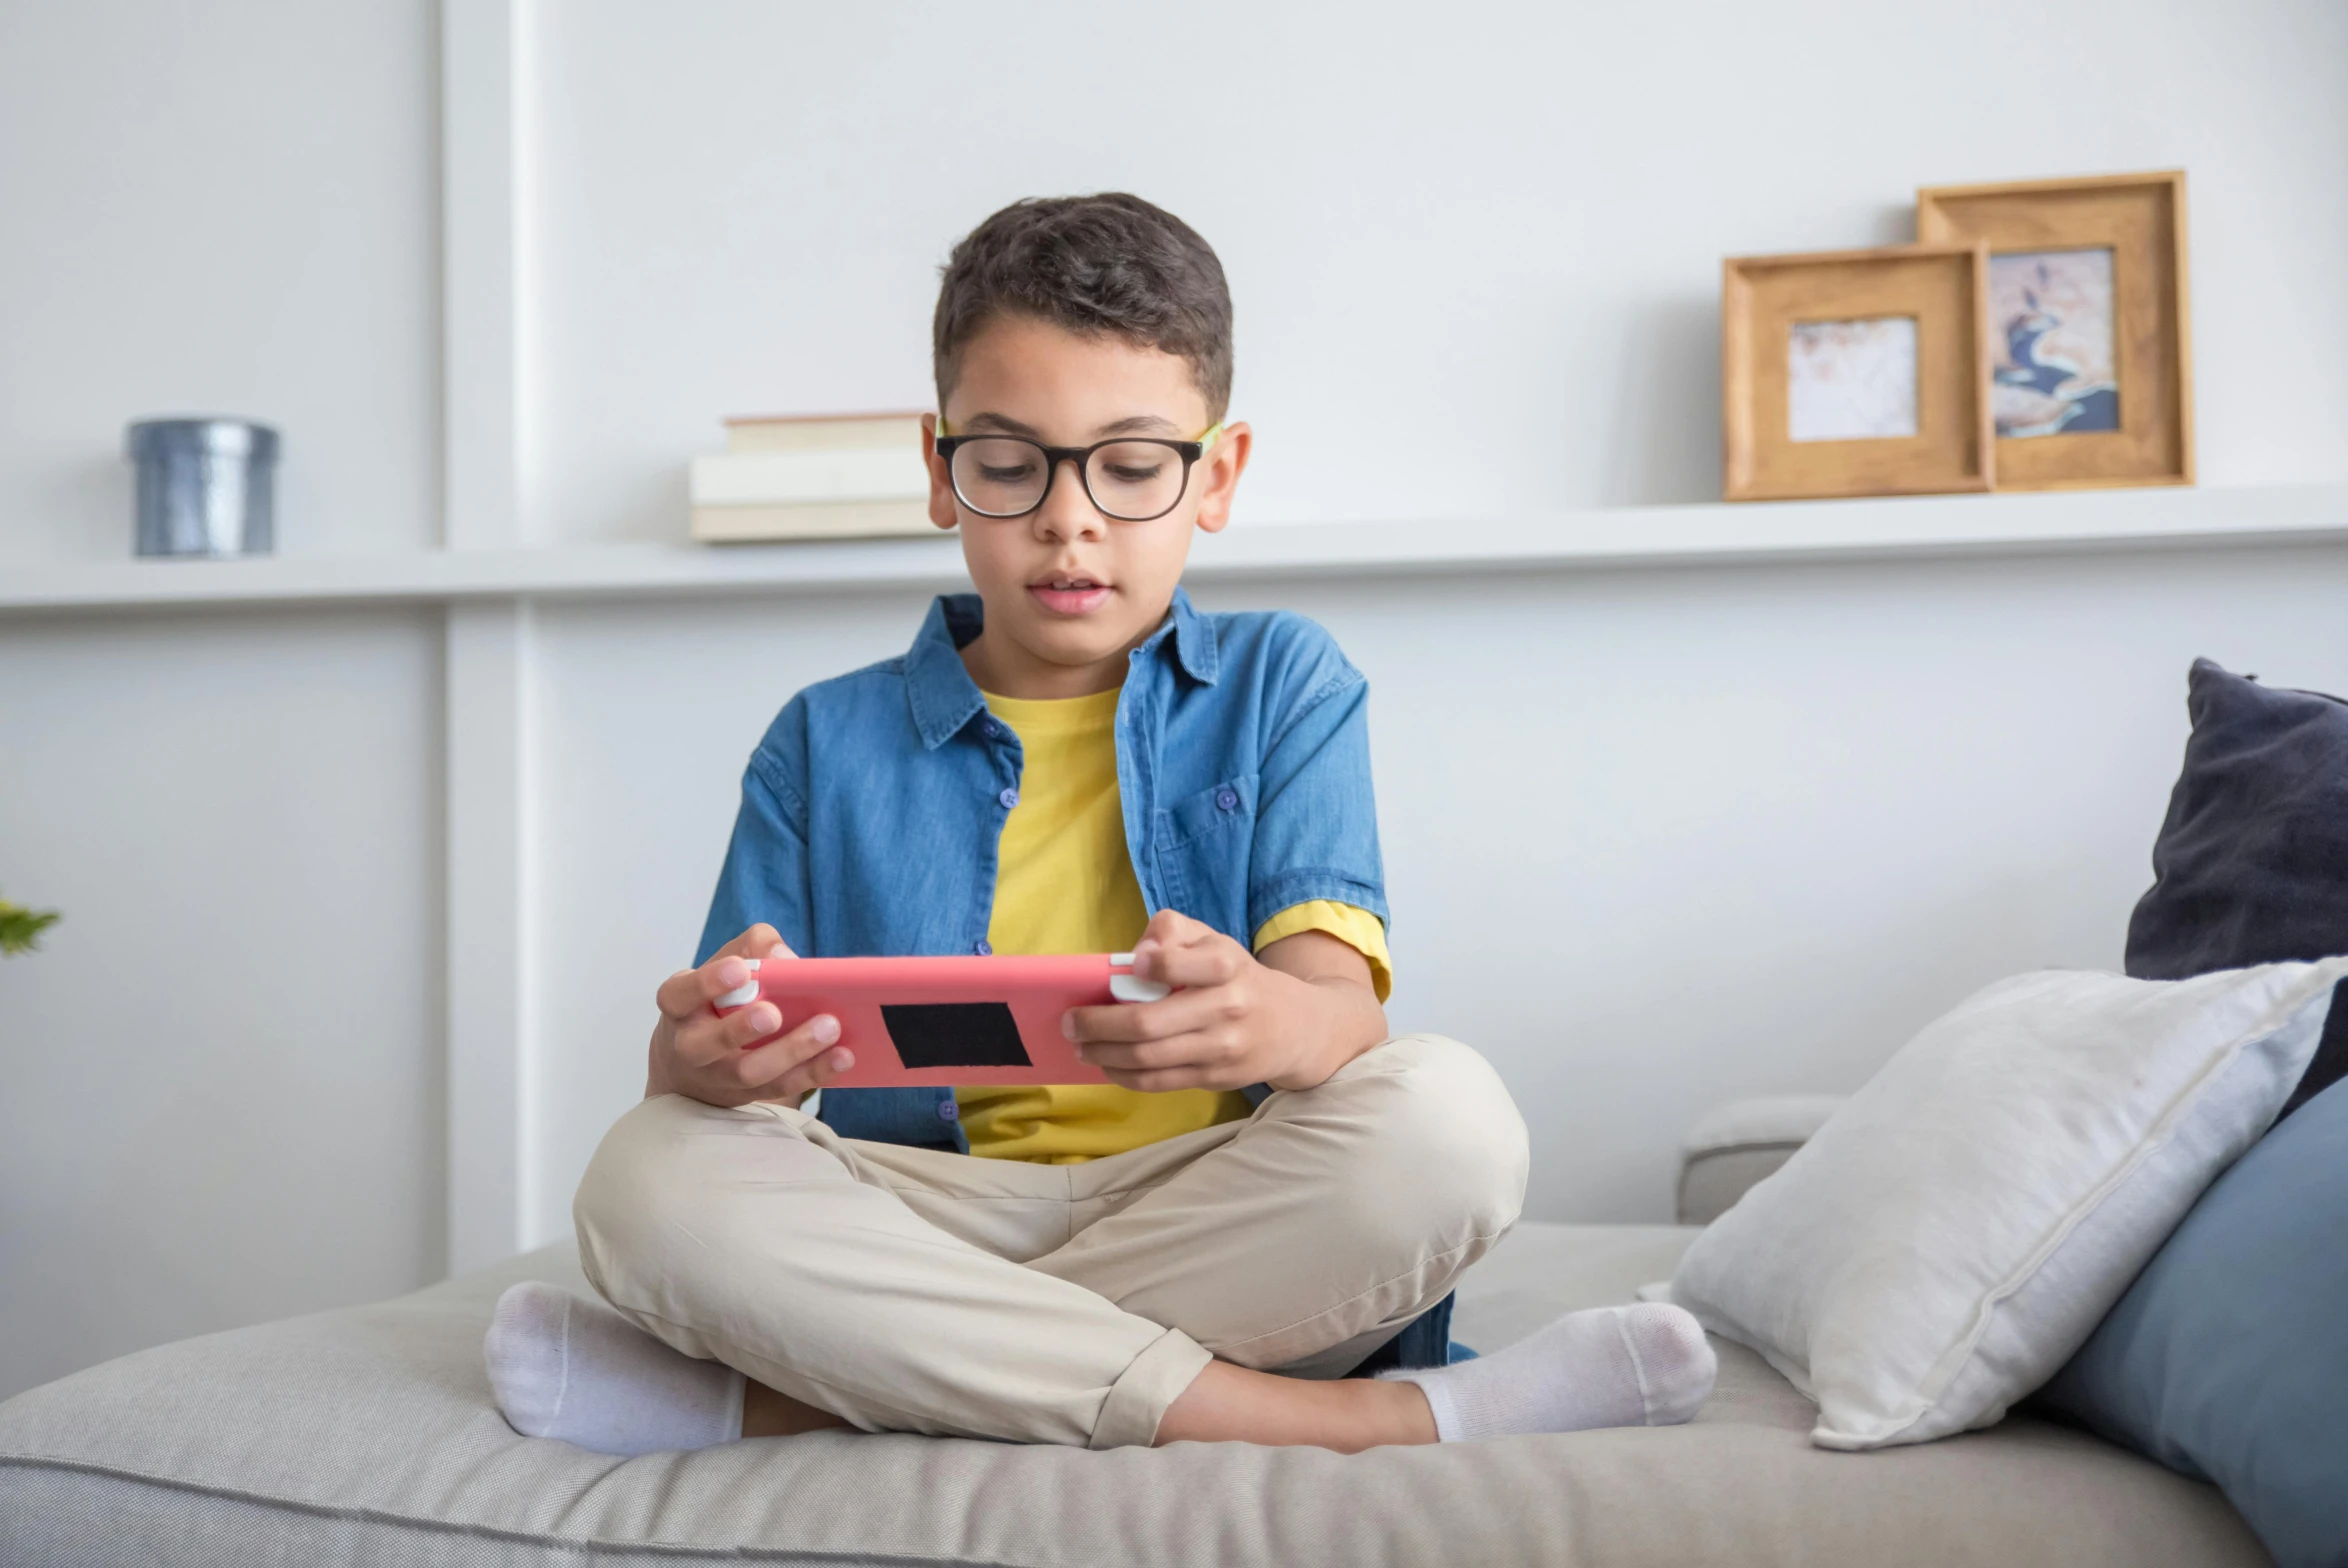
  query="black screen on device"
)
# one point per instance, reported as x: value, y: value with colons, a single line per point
x: 955, y: 1034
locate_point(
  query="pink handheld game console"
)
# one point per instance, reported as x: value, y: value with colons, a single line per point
x: 933, y: 1022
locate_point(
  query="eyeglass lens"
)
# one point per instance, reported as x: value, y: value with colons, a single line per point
x: 1005, y: 476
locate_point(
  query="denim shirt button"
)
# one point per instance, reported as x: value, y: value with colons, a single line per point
x: 983, y: 948
x: 948, y: 1111
x: 1227, y: 799
x: 994, y: 731
x: 1009, y: 798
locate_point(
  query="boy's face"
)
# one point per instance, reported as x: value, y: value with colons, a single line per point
x: 1069, y: 591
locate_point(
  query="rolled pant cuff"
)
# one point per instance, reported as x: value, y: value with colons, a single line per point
x: 1150, y: 1383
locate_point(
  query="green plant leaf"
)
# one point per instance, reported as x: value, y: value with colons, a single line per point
x: 21, y: 928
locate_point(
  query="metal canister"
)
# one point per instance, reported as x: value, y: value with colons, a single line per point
x: 206, y: 486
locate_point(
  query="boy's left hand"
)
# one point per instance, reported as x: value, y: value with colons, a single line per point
x: 1288, y: 1017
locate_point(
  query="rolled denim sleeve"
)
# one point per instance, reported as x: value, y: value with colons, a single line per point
x: 1316, y: 831
x: 765, y: 873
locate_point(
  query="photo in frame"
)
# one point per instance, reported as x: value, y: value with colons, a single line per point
x: 1848, y: 373
x: 2091, y: 355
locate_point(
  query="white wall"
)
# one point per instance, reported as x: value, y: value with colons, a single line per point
x: 1654, y: 837
x: 222, y: 1092
x: 223, y: 1073
x: 1475, y: 250
x: 226, y: 208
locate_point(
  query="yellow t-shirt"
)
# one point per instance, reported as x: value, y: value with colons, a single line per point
x: 1064, y: 883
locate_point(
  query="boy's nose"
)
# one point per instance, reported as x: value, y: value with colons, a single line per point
x: 1068, y: 512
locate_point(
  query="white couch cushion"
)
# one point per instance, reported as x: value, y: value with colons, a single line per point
x: 1956, y: 1230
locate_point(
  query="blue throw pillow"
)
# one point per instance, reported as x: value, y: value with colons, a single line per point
x: 2251, y: 866
x: 2228, y: 1358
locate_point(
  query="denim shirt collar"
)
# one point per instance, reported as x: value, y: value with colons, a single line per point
x: 945, y: 698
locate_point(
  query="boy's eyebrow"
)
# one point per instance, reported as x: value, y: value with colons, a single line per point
x: 1131, y: 425
x: 1002, y: 422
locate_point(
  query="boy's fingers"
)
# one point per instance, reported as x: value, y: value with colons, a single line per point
x: 706, y: 1039
x: 730, y: 968
x: 684, y: 993
x: 681, y: 994
x: 1199, y: 1050
x: 815, y: 1074
x: 1172, y: 925
x: 701, y: 1042
x: 1129, y: 1021
x: 1167, y: 931
x: 1214, y: 962
x: 689, y: 992
x: 756, y: 1022
x: 756, y: 1069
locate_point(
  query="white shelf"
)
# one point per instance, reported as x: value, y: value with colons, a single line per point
x: 1924, y: 527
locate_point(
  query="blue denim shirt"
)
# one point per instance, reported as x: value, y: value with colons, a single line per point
x: 872, y: 809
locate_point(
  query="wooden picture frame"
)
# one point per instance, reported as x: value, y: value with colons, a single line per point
x: 2119, y: 315
x: 1859, y: 372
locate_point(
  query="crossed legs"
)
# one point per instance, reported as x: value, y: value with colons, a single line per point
x: 1143, y: 1298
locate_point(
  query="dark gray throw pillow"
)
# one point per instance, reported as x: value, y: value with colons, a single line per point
x: 2252, y: 864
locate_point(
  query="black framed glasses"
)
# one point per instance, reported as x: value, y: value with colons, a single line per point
x: 1133, y: 479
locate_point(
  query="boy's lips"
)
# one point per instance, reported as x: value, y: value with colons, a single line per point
x: 1070, y: 593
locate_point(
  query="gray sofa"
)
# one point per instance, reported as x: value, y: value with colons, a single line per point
x: 368, y: 1436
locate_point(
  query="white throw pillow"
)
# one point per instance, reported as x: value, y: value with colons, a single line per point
x: 1953, y: 1233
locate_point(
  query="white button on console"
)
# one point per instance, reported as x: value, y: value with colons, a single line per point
x: 1133, y: 988
x: 744, y: 994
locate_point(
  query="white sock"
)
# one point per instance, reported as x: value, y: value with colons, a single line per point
x: 1644, y: 1365
x: 570, y: 1368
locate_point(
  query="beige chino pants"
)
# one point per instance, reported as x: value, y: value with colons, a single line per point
x: 915, y: 1290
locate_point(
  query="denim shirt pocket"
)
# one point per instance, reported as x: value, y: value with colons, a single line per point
x: 1204, y: 843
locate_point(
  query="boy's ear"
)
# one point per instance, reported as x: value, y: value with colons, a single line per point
x: 941, y: 488
x: 1219, y: 473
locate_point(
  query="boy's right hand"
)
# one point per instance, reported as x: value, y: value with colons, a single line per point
x: 697, y: 1054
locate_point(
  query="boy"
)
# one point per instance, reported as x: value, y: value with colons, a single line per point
x: 1271, y: 1191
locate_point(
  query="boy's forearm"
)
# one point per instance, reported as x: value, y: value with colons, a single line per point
x: 1337, y: 1012
x: 1350, y: 1022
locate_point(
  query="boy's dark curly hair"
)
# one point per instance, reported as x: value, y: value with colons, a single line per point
x: 1110, y: 264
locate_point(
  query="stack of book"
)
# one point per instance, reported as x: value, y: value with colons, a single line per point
x: 817, y: 476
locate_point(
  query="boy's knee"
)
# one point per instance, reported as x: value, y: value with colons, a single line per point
x: 664, y: 1173
x: 629, y: 1182
x: 1441, y: 1133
